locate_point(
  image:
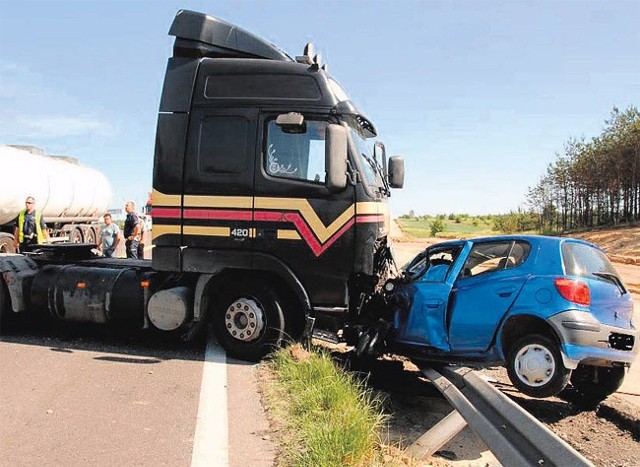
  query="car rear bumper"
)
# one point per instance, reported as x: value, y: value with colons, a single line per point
x: 588, y: 341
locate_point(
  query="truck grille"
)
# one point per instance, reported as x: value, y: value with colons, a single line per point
x: 621, y: 341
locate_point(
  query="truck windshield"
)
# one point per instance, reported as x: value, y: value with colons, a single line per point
x: 371, y: 170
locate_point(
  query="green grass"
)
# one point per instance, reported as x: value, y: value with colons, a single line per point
x: 421, y: 228
x: 330, y: 418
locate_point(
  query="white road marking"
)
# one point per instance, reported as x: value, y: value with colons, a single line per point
x: 211, y: 441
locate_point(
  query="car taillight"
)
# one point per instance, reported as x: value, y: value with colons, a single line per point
x: 573, y: 290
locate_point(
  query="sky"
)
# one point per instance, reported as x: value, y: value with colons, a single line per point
x: 478, y: 96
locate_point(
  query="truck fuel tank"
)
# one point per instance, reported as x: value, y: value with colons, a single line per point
x: 90, y: 294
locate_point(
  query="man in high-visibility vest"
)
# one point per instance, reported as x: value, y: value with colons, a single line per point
x: 30, y: 229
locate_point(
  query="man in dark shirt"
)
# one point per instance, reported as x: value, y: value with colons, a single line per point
x: 131, y: 230
x: 30, y: 227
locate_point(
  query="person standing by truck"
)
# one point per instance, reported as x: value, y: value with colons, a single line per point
x: 131, y: 230
x: 141, y: 242
x: 110, y: 236
x: 30, y: 228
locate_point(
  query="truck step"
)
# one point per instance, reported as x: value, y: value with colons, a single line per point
x: 326, y: 336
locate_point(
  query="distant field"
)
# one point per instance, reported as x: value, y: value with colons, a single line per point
x: 466, y: 227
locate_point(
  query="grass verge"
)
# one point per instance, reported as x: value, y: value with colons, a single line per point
x: 329, y: 418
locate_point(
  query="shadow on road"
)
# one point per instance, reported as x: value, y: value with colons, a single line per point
x: 140, y: 347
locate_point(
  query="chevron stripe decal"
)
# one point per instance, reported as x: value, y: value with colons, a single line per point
x: 297, y: 211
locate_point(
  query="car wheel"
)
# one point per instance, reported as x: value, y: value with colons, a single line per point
x: 248, y: 321
x: 595, y: 383
x: 535, y: 366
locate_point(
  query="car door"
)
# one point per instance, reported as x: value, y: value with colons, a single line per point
x: 427, y: 297
x: 487, y: 286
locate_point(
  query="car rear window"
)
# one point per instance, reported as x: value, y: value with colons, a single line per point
x: 583, y: 260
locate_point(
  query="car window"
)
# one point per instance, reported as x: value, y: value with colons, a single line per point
x: 495, y: 256
x: 584, y: 260
x: 433, y: 265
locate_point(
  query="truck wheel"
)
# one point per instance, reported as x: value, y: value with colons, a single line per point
x: 75, y: 236
x: 248, y: 321
x: 535, y: 366
x: 596, y: 383
x: 6, y: 244
x: 90, y: 236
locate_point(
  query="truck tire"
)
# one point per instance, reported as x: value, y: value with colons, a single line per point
x: 6, y: 243
x: 535, y: 366
x: 90, y: 236
x: 595, y: 384
x: 75, y: 236
x: 248, y: 320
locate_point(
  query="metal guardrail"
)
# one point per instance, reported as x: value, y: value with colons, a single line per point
x: 514, y: 436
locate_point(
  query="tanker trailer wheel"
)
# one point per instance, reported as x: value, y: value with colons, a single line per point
x: 248, y: 320
x: 6, y: 243
x: 75, y: 236
x: 90, y: 236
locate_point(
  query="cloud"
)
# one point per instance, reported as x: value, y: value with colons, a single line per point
x: 57, y: 126
x: 29, y: 108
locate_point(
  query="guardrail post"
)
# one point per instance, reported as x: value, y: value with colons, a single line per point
x: 439, y: 435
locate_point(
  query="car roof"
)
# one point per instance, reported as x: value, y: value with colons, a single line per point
x: 534, y: 239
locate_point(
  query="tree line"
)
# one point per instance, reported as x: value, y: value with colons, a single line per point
x: 593, y: 182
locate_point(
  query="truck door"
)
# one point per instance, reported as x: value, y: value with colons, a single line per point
x: 218, y: 180
x: 296, y: 218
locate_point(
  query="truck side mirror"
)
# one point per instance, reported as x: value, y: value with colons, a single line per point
x: 335, y: 158
x: 292, y: 123
x: 380, y: 154
x: 396, y: 172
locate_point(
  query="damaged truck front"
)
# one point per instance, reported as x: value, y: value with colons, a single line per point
x: 270, y: 205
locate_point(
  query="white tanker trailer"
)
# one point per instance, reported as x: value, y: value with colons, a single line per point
x: 71, y: 197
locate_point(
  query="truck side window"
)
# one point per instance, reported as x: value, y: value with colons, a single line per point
x: 223, y: 143
x: 296, y: 155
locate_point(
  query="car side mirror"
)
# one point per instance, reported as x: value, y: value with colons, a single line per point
x: 335, y: 158
x: 396, y: 171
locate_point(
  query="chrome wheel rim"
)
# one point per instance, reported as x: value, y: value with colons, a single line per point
x: 535, y: 365
x: 244, y: 319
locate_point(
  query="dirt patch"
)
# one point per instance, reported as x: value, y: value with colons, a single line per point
x: 621, y: 244
x: 607, y: 436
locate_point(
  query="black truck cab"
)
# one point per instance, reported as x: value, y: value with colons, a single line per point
x: 269, y: 204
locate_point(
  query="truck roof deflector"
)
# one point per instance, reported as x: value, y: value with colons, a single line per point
x: 200, y: 35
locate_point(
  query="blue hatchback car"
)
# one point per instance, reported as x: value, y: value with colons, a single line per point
x: 552, y: 309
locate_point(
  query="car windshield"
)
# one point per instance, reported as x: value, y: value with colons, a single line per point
x: 584, y: 260
x: 365, y: 154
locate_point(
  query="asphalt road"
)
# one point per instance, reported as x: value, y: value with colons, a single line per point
x: 81, y: 395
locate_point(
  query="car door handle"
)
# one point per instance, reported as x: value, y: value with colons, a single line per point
x: 506, y: 292
x: 433, y: 303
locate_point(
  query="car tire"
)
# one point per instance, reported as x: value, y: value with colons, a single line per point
x: 248, y: 321
x: 595, y: 384
x: 535, y: 366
